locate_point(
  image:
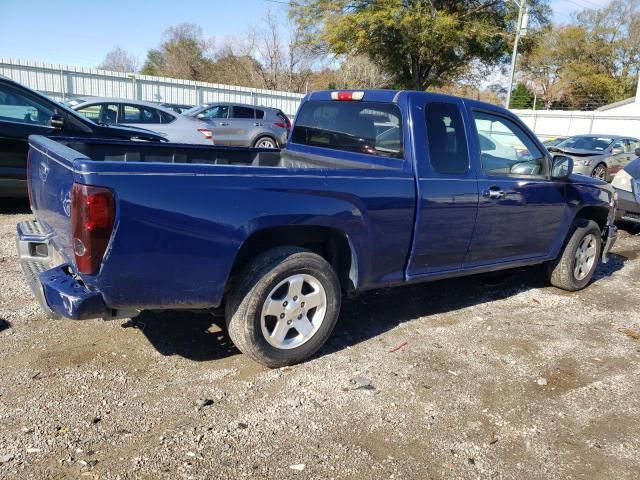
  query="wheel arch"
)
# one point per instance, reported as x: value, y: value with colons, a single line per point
x: 597, y: 213
x: 330, y: 243
x: 263, y: 135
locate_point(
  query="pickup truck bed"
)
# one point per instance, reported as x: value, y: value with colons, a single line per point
x: 180, y: 239
x: 374, y: 189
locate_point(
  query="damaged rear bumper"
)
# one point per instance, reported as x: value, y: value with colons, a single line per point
x: 58, y: 291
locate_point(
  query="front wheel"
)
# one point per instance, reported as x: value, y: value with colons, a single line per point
x: 576, y: 265
x: 600, y: 172
x: 285, y: 306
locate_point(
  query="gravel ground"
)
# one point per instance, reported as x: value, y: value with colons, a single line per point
x: 500, y: 377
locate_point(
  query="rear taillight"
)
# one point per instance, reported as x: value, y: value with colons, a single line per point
x: 208, y: 134
x: 281, y: 125
x: 92, y: 218
x: 29, y: 180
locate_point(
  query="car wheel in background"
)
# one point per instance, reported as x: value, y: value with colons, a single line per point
x: 284, y: 306
x: 575, y: 266
x: 265, y: 142
x: 600, y: 172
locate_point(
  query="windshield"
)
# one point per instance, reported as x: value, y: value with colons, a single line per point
x: 586, y: 143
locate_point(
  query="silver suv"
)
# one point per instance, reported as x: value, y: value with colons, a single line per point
x: 241, y: 125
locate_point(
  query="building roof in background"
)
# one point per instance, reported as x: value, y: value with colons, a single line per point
x: 621, y: 103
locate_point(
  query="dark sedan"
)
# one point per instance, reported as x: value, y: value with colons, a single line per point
x: 25, y: 112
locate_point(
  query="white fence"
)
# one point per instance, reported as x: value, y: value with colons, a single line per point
x: 65, y: 82
x: 554, y: 123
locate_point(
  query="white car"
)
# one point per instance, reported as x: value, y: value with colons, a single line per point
x: 117, y: 111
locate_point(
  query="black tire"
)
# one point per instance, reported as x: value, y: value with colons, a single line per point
x: 600, y: 171
x: 259, y: 278
x: 271, y: 141
x: 562, y: 271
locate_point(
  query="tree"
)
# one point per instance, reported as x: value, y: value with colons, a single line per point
x: 184, y: 53
x: 285, y: 65
x: 417, y: 43
x: 521, y: 97
x: 590, y: 63
x: 118, y: 60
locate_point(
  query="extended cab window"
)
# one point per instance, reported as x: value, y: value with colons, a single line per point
x: 365, y: 127
x: 505, y: 149
x: 446, y: 139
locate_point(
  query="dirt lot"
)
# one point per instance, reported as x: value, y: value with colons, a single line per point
x: 501, y: 377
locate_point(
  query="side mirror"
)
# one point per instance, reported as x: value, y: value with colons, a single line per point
x: 638, y: 152
x: 57, y: 121
x: 562, y: 167
x: 617, y: 150
x: 200, y: 116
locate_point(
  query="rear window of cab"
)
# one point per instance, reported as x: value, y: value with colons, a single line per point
x: 372, y: 128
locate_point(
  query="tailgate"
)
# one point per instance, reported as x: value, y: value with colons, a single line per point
x: 50, y: 177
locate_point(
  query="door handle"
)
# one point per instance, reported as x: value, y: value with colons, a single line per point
x: 493, y: 193
x: 224, y: 124
x: 258, y: 124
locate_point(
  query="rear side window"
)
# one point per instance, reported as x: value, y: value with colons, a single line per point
x: 364, y: 127
x: 243, y: 112
x: 260, y: 114
x: 166, y: 118
x: 446, y: 139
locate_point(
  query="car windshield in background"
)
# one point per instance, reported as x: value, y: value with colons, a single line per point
x: 364, y: 127
x: 586, y: 143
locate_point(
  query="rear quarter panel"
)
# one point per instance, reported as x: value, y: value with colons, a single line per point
x: 179, y: 227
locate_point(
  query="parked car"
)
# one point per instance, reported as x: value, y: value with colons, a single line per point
x: 627, y: 184
x: 244, y: 125
x: 115, y: 111
x: 25, y: 112
x: 352, y: 203
x: 599, y: 156
x: 177, y: 107
x: 490, y: 144
x: 552, y: 142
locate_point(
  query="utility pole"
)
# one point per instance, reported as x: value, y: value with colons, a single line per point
x: 521, y: 14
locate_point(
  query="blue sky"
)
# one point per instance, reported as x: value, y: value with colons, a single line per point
x: 80, y: 33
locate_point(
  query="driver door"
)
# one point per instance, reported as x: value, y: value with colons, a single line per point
x: 217, y: 116
x: 520, y: 211
x: 621, y: 154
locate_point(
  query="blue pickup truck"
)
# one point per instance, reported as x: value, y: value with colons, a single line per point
x: 374, y: 189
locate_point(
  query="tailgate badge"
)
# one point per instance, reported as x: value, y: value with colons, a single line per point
x: 44, y: 171
x: 66, y: 202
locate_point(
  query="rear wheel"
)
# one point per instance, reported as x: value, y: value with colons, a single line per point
x: 284, y: 307
x: 576, y: 265
x: 600, y: 172
x: 265, y: 142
